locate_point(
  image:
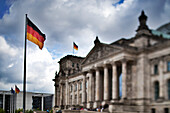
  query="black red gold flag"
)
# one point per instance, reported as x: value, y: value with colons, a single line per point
x: 17, y: 89
x: 34, y: 34
x: 75, y: 46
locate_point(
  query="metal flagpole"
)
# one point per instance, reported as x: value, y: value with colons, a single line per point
x: 73, y: 48
x: 24, y: 83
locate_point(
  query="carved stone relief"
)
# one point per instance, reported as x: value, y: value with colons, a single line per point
x: 100, y: 52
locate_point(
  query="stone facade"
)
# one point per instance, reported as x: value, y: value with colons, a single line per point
x: 129, y: 75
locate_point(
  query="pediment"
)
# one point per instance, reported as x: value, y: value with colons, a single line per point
x: 100, y: 51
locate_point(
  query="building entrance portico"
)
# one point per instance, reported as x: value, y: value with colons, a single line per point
x: 109, y: 82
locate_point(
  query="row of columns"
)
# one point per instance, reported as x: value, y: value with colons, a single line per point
x: 12, y: 102
x: 73, y: 93
x: 94, y: 95
x: 106, y: 83
x: 162, y: 68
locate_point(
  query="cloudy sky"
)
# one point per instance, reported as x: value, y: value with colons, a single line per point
x: 65, y: 22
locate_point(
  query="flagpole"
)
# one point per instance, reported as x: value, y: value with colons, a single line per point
x: 73, y: 48
x: 24, y: 83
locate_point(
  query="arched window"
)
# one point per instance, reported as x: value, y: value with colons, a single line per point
x: 156, y: 87
x: 169, y: 89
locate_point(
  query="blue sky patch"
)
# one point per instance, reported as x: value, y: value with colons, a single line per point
x: 118, y: 3
x: 4, y: 7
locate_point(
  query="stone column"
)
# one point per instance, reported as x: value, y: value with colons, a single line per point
x: 73, y: 94
x: 84, y: 89
x: 67, y: 93
x: 61, y: 94
x: 42, y: 103
x: 124, y: 75
x: 87, y: 91
x: 78, y: 85
x: 4, y: 100
x: 114, y: 82
x: 97, y: 85
x: 106, y: 83
x: 161, y: 86
x: 90, y: 86
x: 56, y: 98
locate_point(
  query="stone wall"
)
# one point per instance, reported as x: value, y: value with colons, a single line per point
x: 79, y: 111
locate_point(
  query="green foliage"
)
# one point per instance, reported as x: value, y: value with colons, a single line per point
x: 38, y: 109
x: 51, y: 111
x: 21, y: 110
x: 2, y: 111
x: 29, y: 111
x: 18, y: 110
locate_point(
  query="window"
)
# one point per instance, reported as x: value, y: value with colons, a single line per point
x: 75, y: 99
x: 168, y: 66
x: 153, y: 110
x: 75, y: 87
x: 71, y: 88
x: 69, y: 72
x: 166, y: 110
x: 1, y: 101
x: 169, y: 89
x: 156, y: 90
x: 155, y: 69
x: 72, y: 64
x: 80, y: 98
x: 78, y: 67
x: 80, y: 85
x: 70, y: 99
x: 86, y: 84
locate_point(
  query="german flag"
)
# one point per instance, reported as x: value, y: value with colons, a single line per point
x: 17, y: 89
x: 34, y: 34
x: 75, y: 46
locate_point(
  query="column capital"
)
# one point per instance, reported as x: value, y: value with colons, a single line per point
x: 84, y: 73
x: 81, y: 80
x: 124, y: 60
x: 78, y: 81
x: 97, y: 68
x: 105, y: 65
x: 113, y: 63
x: 90, y: 71
x: 69, y: 83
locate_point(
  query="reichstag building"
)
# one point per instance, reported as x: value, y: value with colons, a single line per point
x: 128, y: 75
